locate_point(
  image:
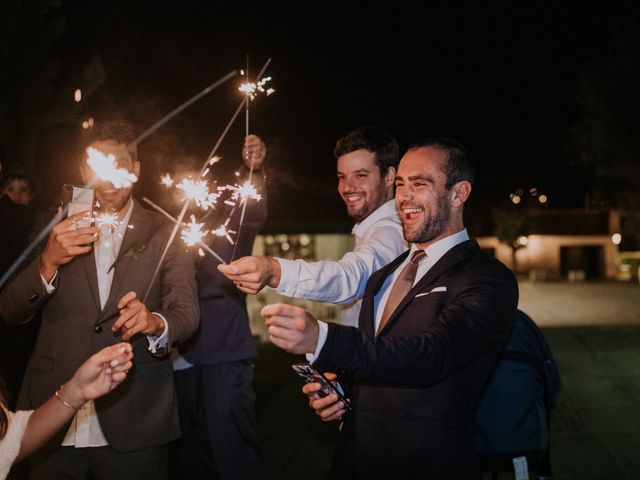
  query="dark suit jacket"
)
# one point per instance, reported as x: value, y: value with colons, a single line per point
x: 224, y: 335
x: 142, y: 411
x: 418, y: 382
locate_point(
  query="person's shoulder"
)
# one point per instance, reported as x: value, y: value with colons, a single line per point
x: 482, y: 261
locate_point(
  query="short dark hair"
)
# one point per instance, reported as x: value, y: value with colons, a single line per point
x: 459, y: 166
x: 109, y: 131
x: 17, y: 176
x: 377, y: 141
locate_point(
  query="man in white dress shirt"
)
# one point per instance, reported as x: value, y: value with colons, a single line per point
x: 367, y: 159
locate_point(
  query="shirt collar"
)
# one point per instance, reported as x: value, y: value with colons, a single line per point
x: 436, y: 250
x: 387, y: 209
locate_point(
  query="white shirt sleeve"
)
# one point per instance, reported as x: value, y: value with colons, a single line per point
x: 344, y: 280
x: 48, y: 286
x: 322, y: 338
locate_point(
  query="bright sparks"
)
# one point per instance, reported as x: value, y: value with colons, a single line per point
x: 192, y: 233
x: 222, y: 231
x: 198, y: 191
x: 245, y: 192
x: 251, y: 89
x: 105, y: 167
x: 107, y: 220
x: 166, y: 180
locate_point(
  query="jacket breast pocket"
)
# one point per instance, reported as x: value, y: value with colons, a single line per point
x: 40, y: 363
x: 424, y: 310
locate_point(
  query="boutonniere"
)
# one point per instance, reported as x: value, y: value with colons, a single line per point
x: 135, y: 251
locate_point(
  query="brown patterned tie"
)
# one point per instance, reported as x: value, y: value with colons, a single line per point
x: 401, y: 287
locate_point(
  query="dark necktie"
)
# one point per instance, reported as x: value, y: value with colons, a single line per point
x: 401, y: 287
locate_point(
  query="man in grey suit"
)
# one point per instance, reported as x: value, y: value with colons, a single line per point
x: 89, y: 285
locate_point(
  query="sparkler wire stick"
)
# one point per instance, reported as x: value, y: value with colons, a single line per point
x: 174, y: 220
x: 25, y: 253
x: 180, y: 108
x: 246, y: 117
x: 244, y: 206
x: 183, y: 211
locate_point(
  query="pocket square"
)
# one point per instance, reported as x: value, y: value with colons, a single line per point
x: 433, y: 290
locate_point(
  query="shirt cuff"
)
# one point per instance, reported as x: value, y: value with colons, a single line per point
x: 158, y: 344
x: 322, y: 338
x: 49, y: 286
x: 287, y: 277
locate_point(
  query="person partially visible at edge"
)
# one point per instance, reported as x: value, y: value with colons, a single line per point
x: 23, y: 432
x: 89, y: 284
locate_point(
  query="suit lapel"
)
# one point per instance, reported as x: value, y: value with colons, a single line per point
x: 454, y: 256
x: 141, y: 228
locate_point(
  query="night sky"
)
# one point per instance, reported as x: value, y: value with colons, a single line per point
x: 501, y: 77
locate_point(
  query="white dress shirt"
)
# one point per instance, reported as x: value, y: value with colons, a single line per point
x: 85, y: 430
x: 434, y: 252
x: 379, y: 240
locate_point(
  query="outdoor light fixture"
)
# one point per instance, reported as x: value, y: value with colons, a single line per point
x: 77, y: 95
x: 522, y: 240
x: 616, y: 238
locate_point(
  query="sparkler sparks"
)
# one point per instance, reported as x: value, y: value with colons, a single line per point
x: 106, y: 168
x: 192, y: 233
x: 198, y: 191
x: 251, y: 89
x: 222, y: 231
x: 167, y: 181
x: 245, y: 192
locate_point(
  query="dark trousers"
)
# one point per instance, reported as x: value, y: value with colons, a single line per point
x: 218, y: 423
x: 99, y: 463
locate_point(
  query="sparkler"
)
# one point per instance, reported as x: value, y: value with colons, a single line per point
x: 174, y: 220
x: 198, y: 191
x: 106, y: 168
x: 193, y: 233
x: 166, y: 180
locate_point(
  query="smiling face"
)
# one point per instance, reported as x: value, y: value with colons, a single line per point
x: 428, y: 210
x: 111, y: 199
x: 361, y: 185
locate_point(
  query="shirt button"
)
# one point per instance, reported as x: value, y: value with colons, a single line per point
x: 97, y: 329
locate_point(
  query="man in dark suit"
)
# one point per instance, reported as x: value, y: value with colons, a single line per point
x: 214, y: 376
x: 89, y: 284
x: 431, y: 326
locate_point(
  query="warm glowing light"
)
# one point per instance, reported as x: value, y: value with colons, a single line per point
x: 543, y: 198
x: 87, y: 123
x: 198, y: 191
x: 214, y: 159
x: 533, y: 191
x: 222, y: 231
x: 251, y: 89
x: 105, y: 167
x: 245, y: 192
x: 616, y: 238
x: 192, y: 233
x: 522, y: 240
x: 107, y: 220
x: 166, y: 180
x: 516, y: 199
x: 77, y: 96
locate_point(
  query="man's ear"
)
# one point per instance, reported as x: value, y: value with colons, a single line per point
x: 390, y: 177
x: 136, y: 168
x: 460, y: 193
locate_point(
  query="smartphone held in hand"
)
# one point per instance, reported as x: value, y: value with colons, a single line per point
x: 328, y: 387
x: 76, y: 199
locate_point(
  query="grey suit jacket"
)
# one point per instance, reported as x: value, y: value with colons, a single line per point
x: 142, y: 411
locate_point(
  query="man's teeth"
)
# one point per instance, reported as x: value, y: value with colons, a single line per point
x: 409, y: 211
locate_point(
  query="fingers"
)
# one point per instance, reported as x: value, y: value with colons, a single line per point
x: 328, y: 408
x: 281, y: 310
x: 128, y: 297
x: 114, y: 355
